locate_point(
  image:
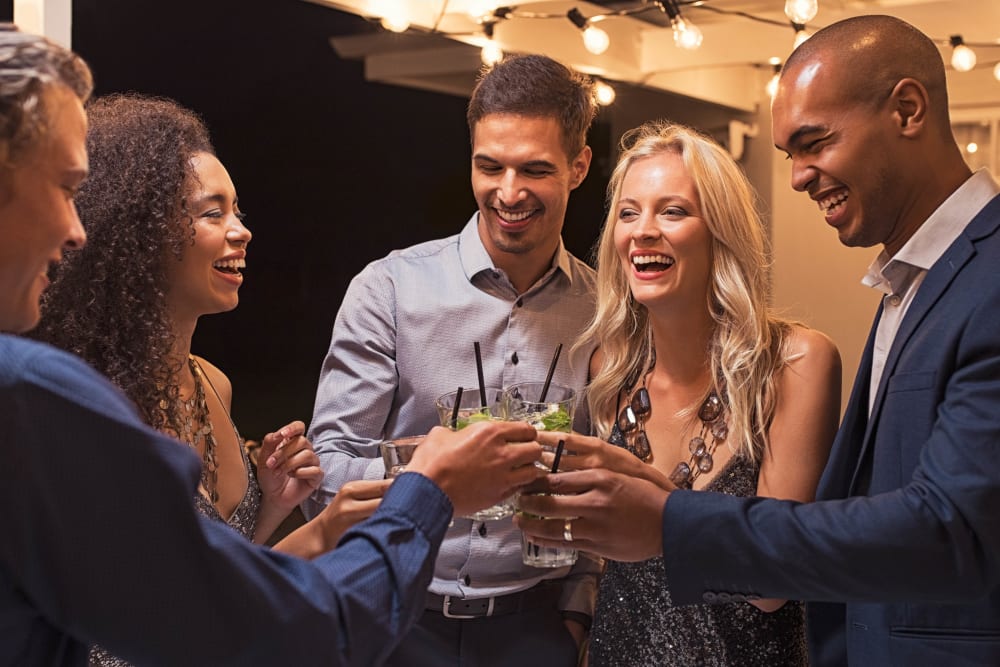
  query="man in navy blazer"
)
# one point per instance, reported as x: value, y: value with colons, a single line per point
x: 900, y: 555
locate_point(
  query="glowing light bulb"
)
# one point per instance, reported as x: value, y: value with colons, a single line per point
x: 772, y: 86
x: 477, y: 9
x: 963, y: 58
x: 686, y: 34
x: 605, y: 93
x: 801, y: 11
x: 596, y: 40
x: 996, y: 72
x: 395, y: 22
x: 491, y: 53
x: 971, y: 147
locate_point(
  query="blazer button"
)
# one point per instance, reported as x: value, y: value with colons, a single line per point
x: 709, y: 597
x: 724, y: 598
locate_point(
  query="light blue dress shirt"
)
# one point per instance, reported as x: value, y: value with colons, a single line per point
x: 405, y: 335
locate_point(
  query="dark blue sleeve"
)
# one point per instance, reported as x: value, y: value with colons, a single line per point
x: 102, y: 544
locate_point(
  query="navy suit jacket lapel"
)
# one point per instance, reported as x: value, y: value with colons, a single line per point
x: 851, y: 434
x: 935, y: 284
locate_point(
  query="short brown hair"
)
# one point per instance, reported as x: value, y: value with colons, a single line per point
x: 537, y: 86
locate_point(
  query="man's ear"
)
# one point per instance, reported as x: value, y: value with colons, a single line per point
x: 909, y: 102
x: 579, y: 167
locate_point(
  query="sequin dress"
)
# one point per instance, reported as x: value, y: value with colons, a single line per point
x: 243, y: 520
x: 636, y: 625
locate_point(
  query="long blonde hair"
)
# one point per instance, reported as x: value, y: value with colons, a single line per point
x: 747, y: 346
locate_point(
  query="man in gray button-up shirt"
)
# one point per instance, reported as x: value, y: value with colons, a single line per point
x: 404, y: 336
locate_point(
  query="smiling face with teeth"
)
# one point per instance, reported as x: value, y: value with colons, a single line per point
x: 662, y: 242
x: 38, y: 219
x: 207, y: 278
x: 521, y: 178
x: 846, y: 153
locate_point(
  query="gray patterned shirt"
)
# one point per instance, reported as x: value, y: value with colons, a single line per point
x: 404, y: 336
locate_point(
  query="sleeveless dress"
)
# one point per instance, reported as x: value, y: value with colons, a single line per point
x: 243, y: 521
x: 636, y: 625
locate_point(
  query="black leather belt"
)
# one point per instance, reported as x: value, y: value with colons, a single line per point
x: 537, y: 597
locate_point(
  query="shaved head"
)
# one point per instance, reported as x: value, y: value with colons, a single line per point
x: 870, y: 55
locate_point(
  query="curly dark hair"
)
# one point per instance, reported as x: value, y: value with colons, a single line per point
x: 107, y: 300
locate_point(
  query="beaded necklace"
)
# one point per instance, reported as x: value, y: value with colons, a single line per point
x: 632, y: 423
x: 197, y: 426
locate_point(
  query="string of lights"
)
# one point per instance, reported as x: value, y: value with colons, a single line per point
x: 686, y: 33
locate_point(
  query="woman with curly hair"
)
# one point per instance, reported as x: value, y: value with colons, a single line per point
x: 167, y: 244
x: 697, y: 384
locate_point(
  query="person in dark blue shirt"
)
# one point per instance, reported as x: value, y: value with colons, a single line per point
x: 101, y: 541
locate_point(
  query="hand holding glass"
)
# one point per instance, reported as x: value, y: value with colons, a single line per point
x: 554, y: 412
x: 471, y: 410
x: 396, y: 454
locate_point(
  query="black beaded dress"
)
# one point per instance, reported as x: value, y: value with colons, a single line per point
x: 636, y: 625
x: 243, y: 520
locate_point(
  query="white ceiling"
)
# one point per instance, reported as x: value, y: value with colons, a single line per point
x: 440, y: 51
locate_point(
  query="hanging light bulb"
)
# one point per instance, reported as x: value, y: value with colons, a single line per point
x: 605, y: 93
x: 394, y: 17
x: 996, y: 71
x: 478, y: 9
x: 491, y: 53
x: 395, y: 23
x: 686, y: 34
x: 772, y: 85
x: 963, y: 58
x: 801, y: 11
x: 595, y: 40
x: 801, y: 34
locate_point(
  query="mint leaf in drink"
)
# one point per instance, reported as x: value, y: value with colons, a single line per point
x: 556, y: 421
x: 481, y: 416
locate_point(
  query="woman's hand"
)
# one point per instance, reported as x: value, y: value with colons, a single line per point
x: 288, y: 468
x: 582, y: 452
x: 356, y: 501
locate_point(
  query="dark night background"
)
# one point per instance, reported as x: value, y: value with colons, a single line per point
x: 332, y: 171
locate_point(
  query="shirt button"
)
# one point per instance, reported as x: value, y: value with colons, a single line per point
x: 513, y: 358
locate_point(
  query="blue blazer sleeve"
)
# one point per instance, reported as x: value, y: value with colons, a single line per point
x: 104, y: 544
x: 908, y: 532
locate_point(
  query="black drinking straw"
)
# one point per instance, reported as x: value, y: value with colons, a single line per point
x: 548, y: 376
x: 559, y: 451
x: 454, y: 410
x: 482, y: 382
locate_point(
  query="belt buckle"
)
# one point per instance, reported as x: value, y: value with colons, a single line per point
x: 446, y: 610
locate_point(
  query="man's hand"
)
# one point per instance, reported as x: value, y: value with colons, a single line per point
x: 480, y: 465
x: 608, y: 513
